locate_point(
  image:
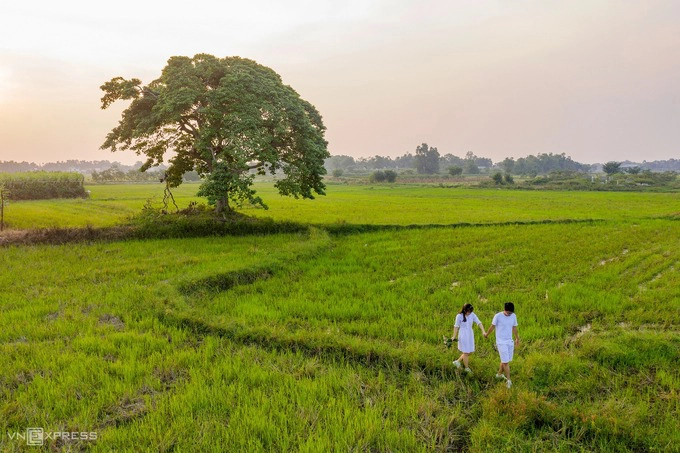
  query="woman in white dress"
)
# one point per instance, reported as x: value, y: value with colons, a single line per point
x: 466, y: 337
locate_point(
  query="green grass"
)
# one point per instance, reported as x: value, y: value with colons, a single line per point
x: 376, y: 205
x: 404, y: 205
x: 321, y: 342
x: 107, y: 205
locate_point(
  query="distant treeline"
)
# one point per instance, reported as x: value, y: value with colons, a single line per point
x: 427, y: 160
x: 98, y: 170
x: 80, y: 166
x: 543, y: 164
x: 115, y: 174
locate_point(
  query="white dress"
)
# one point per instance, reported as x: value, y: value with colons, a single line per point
x: 466, y: 337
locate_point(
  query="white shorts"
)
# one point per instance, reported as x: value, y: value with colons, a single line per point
x: 506, y: 351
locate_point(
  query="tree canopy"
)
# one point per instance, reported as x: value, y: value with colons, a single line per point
x: 427, y: 159
x: 226, y: 118
x: 611, y: 167
x: 542, y: 163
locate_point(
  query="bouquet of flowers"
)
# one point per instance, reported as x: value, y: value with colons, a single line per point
x: 448, y: 342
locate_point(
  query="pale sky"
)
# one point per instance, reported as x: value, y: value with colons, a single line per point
x: 598, y: 80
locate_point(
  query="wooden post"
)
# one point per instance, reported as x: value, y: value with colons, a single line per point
x: 2, y: 208
x: 4, y: 199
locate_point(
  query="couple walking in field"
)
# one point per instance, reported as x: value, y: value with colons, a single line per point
x: 507, y: 336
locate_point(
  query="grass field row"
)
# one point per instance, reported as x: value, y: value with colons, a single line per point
x: 381, y: 204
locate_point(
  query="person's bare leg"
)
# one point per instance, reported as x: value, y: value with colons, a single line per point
x: 465, y: 360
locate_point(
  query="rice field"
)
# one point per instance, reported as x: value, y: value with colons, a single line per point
x: 356, y: 204
x: 320, y: 341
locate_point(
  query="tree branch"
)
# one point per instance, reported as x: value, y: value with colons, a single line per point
x: 188, y: 128
x: 146, y: 91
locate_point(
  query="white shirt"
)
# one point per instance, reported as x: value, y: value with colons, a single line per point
x: 469, y: 320
x: 504, y: 325
x: 466, y: 336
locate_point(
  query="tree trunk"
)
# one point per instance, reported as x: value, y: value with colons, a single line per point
x: 222, y: 206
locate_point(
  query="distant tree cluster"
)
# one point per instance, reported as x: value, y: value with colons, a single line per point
x: 541, y: 164
x: 427, y: 161
x: 383, y: 176
x: 116, y: 174
x: 611, y: 167
x: 499, y: 178
x: 18, y: 167
x: 615, y: 178
x: 365, y: 164
x: 657, y: 165
x: 81, y: 166
x: 455, y: 170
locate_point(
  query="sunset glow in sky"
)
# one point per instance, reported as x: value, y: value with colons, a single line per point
x: 597, y: 80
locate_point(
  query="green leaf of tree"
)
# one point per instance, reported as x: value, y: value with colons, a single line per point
x: 227, y: 119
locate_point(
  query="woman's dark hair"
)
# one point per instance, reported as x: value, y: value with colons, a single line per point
x: 466, y: 308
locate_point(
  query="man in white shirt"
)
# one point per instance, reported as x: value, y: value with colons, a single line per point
x: 505, y: 324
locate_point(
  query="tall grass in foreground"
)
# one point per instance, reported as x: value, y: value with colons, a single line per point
x: 43, y: 185
x: 309, y: 342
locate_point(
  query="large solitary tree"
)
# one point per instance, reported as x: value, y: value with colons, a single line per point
x: 226, y: 118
